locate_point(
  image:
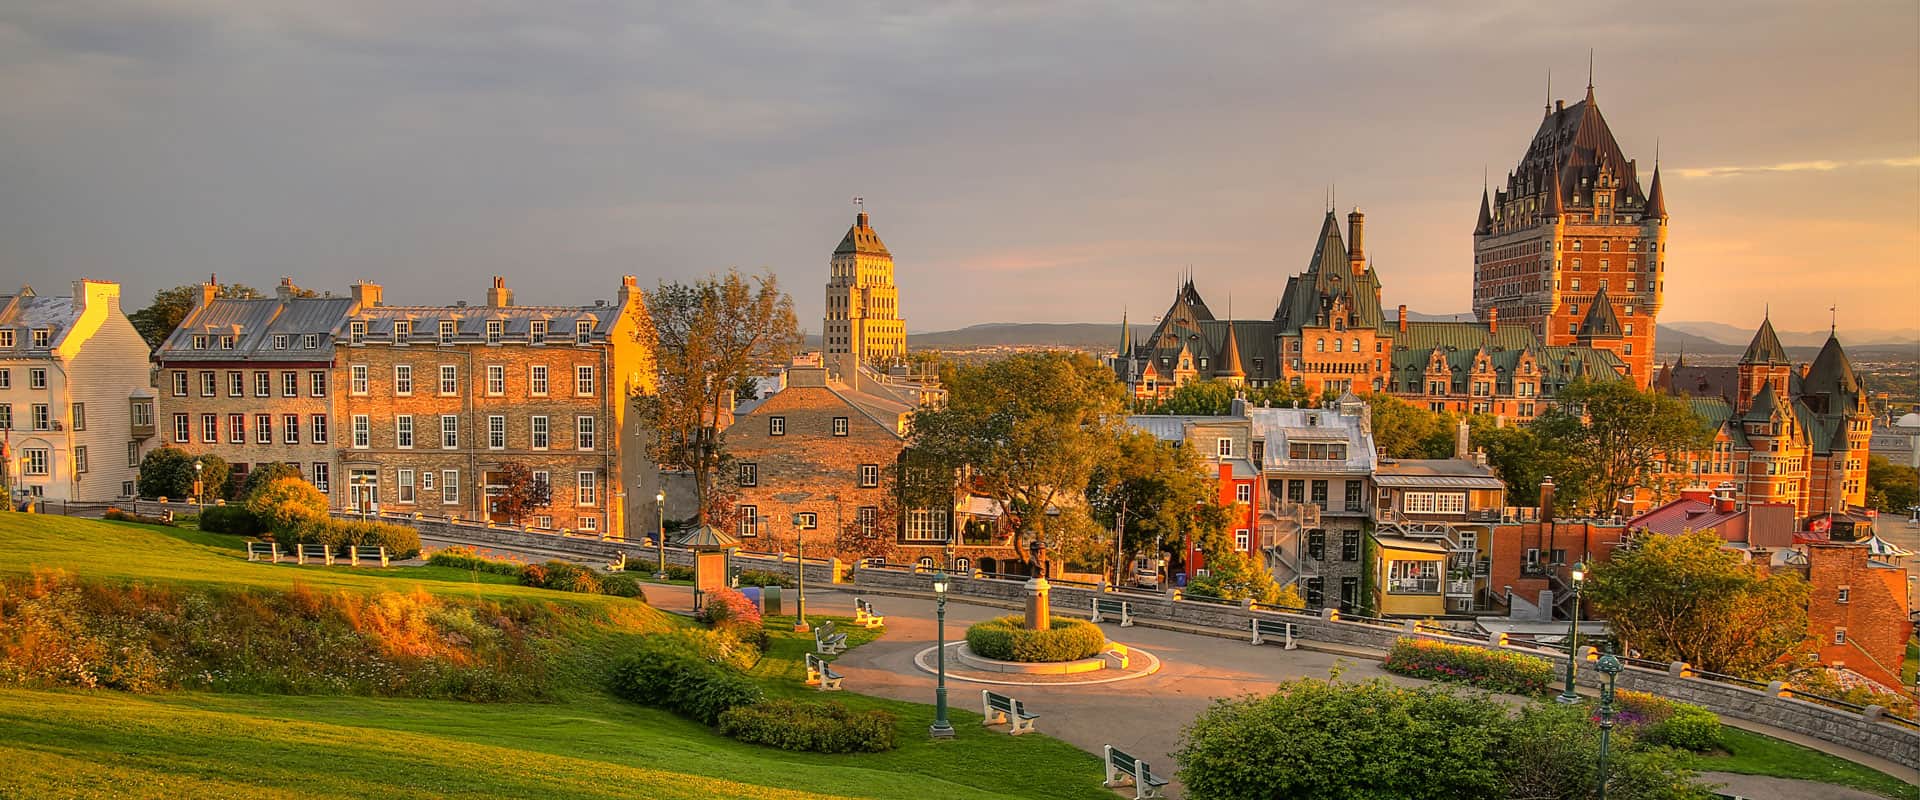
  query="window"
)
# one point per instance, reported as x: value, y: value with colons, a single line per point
x: 179, y: 383
x: 210, y: 428
x: 1839, y: 634
x: 199, y: 341
x: 236, y: 384
x: 927, y: 524
x: 79, y: 412
x: 319, y: 426
x: 133, y: 456
x: 1243, y: 493
x: 839, y: 426
x: 776, y: 426
x: 6, y: 338
x: 449, y: 432
x: 868, y: 518
x: 1240, y: 539
x: 1316, y: 592
x: 290, y: 428
x: 403, y: 380
x: 402, y: 330
x: 537, y: 331
x: 356, y: 331
x: 749, y: 522
x: 589, y: 523
x: 317, y: 384
x: 405, y: 484
x: 310, y: 341
x: 263, y: 429
x: 403, y: 431
x: 449, y: 380
x: 1223, y: 447
x: 537, y: 380
x: 1413, y: 577
x: 1354, y: 489
x: 582, y: 331
x: 584, y: 488
x: 362, y: 431
x: 1349, y: 594
x: 496, y: 432
x: 182, y: 425
x: 1320, y: 494
x: 496, y: 380
x: 426, y: 480
x: 539, y: 432
x: 869, y: 476
x: 450, y: 486
x: 289, y: 384
x: 583, y: 428
x: 80, y: 459
x: 1316, y: 544
x: 494, y: 329
x: 1450, y: 503
x: 35, y: 461
x: 1844, y: 595
x: 446, y: 331
x: 583, y: 381
x: 1350, y: 546
x: 322, y: 476
x: 43, y: 337
x: 209, y: 384
x: 749, y: 473
x: 1416, y: 502
x: 358, y: 385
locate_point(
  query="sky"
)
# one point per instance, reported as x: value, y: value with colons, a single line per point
x: 1048, y: 162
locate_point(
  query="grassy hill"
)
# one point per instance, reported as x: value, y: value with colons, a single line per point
x: 581, y: 742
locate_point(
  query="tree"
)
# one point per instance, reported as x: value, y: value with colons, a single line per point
x: 264, y: 474
x: 1154, y: 487
x: 1892, y: 488
x: 1215, y: 397
x: 168, y: 472
x: 1607, y: 438
x: 709, y: 337
x: 1689, y: 598
x: 1514, y: 453
x: 157, y: 321
x: 286, y: 504
x: 1552, y: 753
x: 520, y: 494
x: 1404, y: 430
x: 1028, y: 430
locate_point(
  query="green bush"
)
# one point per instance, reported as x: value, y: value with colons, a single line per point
x: 1479, y: 667
x: 168, y: 472
x: 265, y: 474
x: 563, y: 576
x: 827, y: 727
x: 1007, y: 639
x: 1689, y: 728
x: 287, y: 506
x: 660, y: 673
x: 675, y: 572
x: 620, y: 584
x: 761, y: 577
x: 229, y: 519
x: 127, y: 516
x: 399, y: 540
x: 460, y: 557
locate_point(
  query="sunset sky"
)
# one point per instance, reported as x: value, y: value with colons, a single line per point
x: 1054, y: 163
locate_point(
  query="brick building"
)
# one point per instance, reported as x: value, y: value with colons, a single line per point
x: 76, y: 398
x: 863, y: 306
x: 1570, y: 246
x: 251, y: 380
x: 434, y: 400
x: 1858, y: 609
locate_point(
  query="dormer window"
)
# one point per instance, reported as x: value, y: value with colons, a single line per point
x: 6, y: 338
x: 310, y: 341
x: 200, y: 341
x: 402, y: 329
x: 537, y: 332
x: 582, y: 331
x: 42, y: 337
x: 446, y: 331
x: 228, y: 341
x: 494, y: 330
x: 282, y: 341
x: 356, y: 331
x: 1203, y: 362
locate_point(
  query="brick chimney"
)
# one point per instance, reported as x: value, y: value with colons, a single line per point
x: 208, y: 291
x: 366, y: 294
x: 1357, y: 241
x: 1403, y: 317
x: 1723, y: 499
x: 629, y: 286
x: 1546, y: 500
x: 498, y: 295
x: 1493, y: 320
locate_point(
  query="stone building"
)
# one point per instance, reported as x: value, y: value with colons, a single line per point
x: 251, y: 380
x: 76, y: 398
x: 863, y: 306
x: 432, y: 402
x: 1318, y: 465
x: 1571, y: 239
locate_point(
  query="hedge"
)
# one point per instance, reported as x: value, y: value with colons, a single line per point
x: 400, y: 540
x: 662, y: 674
x: 467, y: 558
x: 761, y: 577
x: 827, y: 727
x: 1479, y: 667
x: 562, y: 576
x: 1007, y: 639
x: 230, y: 519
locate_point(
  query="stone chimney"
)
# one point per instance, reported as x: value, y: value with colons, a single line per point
x: 498, y: 295
x: 366, y: 294
x: 1493, y: 320
x: 629, y: 286
x: 1462, y: 447
x: 87, y: 293
x: 1403, y: 317
x: 1546, y: 500
x: 285, y: 290
x: 208, y: 291
x: 1357, y: 241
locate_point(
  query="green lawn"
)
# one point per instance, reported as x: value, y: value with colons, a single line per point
x: 1750, y: 753
x: 75, y: 743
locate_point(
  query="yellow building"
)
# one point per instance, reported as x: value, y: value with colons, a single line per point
x: 1408, y: 576
x: 863, y: 305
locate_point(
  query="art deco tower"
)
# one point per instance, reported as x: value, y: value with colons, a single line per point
x: 863, y: 305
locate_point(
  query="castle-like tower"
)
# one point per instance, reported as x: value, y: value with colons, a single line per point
x: 863, y: 305
x: 1572, y: 227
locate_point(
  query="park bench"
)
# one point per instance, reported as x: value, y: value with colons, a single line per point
x: 1119, y: 609
x: 1119, y: 653
x: 826, y: 641
x: 1124, y: 770
x: 863, y: 613
x: 999, y: 708
x: 263, y: 551
x: 1265, y: 628
x: 820, y: 674
x: 357, y: 553
x: 316, y: 552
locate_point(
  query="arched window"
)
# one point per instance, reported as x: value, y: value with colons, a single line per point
x: 1356, y: 345
x: 926, y: 563
x: 963, y: 565
x: 1319, y: 345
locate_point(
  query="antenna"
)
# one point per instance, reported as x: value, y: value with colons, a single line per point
x: 1589, y: 70
x: 860, y: 203
x: 1549, y: 90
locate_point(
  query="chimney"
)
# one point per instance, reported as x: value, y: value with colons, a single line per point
x: 1723, y: 499
x: 498, y: 295
x: 1546, y: 500
x: 208, y: 291
x: 285, y: 290
x: 366, y: 294
x: 629, y: 286
x: 1461, y: 447
x: 88, y: 292
x: 1403, y: 317
x: 1493, y: 320
x: 1357, y: 241
x: 1559, y: 105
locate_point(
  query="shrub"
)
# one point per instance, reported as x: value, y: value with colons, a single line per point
x: 675, y: 572
x: 1007, y: 639
x: 127, y: 516
x: 1482, y: 668
x: 827, y: 727
x: 287, y: 505
x: 265, y: 474
x: 1658, y: 720
x: 761, y: 577
x: 229, y: 519
x: 168, y: 472
x: 728, y: 608
x: 400, y: 540
x: 460, y: 557
x: 1553, y: 751
x: 663, y: 675
x: 620, y: 584
x: 563, y: 576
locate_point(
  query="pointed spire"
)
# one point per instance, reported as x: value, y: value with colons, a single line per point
x: 1656, y: 198
x: 1229, y: 358
x: 1765, y: 347
x: 1600, y: 322
x: 1589, y: 74
x: 1549, y: 105
x: 1126, y: 336
x: 1485, y: 225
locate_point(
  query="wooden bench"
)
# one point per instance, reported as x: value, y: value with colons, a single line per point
x: 1265, y: 628
x: 1000, y: 709
x: 1119, y: 653
x: 1119, y: 609
x: 319, y: 553
x: 1125, y: 770
x: 356, y: 553
x: 864, y: 614
x: 263, y: 551
x: 820, y: 674
x: 826, y: 641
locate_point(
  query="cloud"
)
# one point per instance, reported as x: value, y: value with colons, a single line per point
x: 1797, y: 166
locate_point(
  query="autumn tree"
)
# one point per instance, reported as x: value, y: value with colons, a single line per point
x: 1892, y: 488
x: 1214, y: 397
x: 1689, y: 598
x: 1608, y: 437
x: 1027, y: 431
x: 709, y: 337
x: 170, y: 306
x: 1150, y: 488
x: 520, y: 494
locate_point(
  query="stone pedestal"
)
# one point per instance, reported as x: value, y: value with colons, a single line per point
x: 1039, y: 613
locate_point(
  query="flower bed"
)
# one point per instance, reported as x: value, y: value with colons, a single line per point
x: 1478, y: 667
x: 1658, y: 720
x: 1007, y: 639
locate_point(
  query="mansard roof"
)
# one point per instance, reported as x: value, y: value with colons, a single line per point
x: 861, y: 239
x: 255, y: 324
x: 1574, y: 143
x: 1765, y: 347
x: 1329, y: 277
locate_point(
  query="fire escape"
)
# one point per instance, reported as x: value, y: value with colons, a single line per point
x: 1283, y: 532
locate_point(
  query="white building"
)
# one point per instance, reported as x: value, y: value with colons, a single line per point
x: 76, y: 394
x: 1897, y: 438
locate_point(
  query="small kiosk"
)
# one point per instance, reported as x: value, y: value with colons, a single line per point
x: 712, y: 556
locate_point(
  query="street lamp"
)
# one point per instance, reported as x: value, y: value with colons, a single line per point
x: 1573, y: 634
x: 800, y: 576
x: 199, y: 496
x: 941, y: 729
x: 660, y: 535
x: 1610, y: 667
x: 950, y: 552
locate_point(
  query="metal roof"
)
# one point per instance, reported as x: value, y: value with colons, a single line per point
x: 255, y: 323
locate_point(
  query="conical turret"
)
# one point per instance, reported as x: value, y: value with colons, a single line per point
x: 1229, y: 358
x: 1657, y: 199
x: 1485, y: 225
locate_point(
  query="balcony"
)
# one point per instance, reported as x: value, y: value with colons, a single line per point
x: 1413, y: 586
x: 1460, y: 587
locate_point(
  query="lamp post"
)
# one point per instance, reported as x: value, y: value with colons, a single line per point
x: 941, y: 729
x: 800, y: 576
x: 660, y: 535
x: 199, y: 496
x: 950, y: 552
x: 1573, y: 634
x: 1610, y: 667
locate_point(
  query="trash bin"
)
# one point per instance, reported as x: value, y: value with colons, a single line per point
x: 752, y: 594
x: 770, y: 601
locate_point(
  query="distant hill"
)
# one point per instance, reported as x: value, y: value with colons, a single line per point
x: 1851, y: 337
